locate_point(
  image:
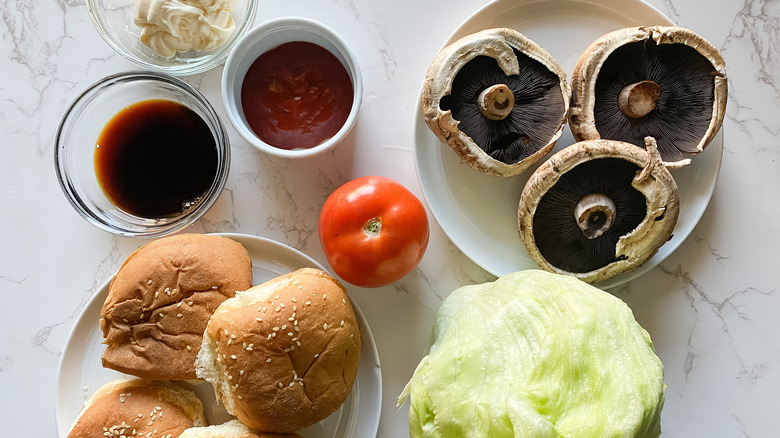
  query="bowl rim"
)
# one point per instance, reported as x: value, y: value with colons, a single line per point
x: 203, y: 65
x: 230, y: 81
x: 152, y: 230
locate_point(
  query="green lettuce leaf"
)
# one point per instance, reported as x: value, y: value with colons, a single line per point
x: 536, y: 354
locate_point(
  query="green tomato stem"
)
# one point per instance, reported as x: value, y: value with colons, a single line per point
x: 373, y: 227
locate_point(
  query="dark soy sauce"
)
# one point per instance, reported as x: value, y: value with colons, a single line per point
x: 155, y: 159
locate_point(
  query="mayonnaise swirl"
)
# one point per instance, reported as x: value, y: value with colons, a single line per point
x: 170, y: 26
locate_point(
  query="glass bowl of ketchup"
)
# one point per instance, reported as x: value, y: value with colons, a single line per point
x: 292, y: 87
x: 141, y: 154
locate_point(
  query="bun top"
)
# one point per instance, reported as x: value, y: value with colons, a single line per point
x: 283, y: 355
x: 232, y: 429
x: 136, y: 408
x: 162, y: 298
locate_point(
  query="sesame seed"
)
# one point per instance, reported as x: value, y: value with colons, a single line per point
x: 178, y: 304
x: 292, y: 383
x: 268, y: 360
x: 300, y: 382
x: 232, y: 336
x: 230, y: 377
x: 289, y: 334
x: 281, y: 305
x: 277, y: 297
x: 178, y: 315
x: 308, y: 303
x: 140, y: 415
x: 278, y: 308
x: 189, y: 348
x: 269, y: 336
x: 292, y: 318
x: 263, y: 310
x: 241, y: 373
x: 259, y: 319
x: 161, y: 315
x: 214, y: 287
x: 189, y: 302
x: 344, y: 301
x: 293, y: 300
x: 325, y: 326
x: 174, y: 291
x: 157, y: 294
x: 296, y: 328
x: 324, y: 296
x: 342, y: 323
x: 276, y: 329
x: 316, y: 355
x: 149, y: 281
x: 298, y: 343
x: 230, y: 341
x: 273, y: 334
x: 232, y: 356
x: 226, y: 332
x: 281, y: 385
x: 284, y: 326
x: 239, y: 397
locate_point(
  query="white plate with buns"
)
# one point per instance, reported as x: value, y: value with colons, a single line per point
x: 81, y: 372
x: 478, y: 212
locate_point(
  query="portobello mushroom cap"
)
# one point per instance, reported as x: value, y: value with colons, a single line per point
x: 598, y: 208
x: 665, y: 82
x: 498, y: 99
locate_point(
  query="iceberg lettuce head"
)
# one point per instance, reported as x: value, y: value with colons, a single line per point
x: 536, y: 354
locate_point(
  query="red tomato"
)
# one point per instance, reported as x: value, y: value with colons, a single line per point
x: 373, y: 231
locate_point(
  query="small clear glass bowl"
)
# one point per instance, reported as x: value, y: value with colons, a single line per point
x: 78, y: 133
x: 114, y: 21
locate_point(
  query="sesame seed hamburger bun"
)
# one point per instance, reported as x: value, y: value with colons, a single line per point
x: 161, y: 299
x: 232, y: 429
x: 138, y: 408
x: 283, y: 355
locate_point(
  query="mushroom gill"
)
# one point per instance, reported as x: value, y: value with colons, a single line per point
x: 558, y: 234
x: 529, y: 123
x: 598, y: 208
x: 498, y: 99
x: 663, y: 82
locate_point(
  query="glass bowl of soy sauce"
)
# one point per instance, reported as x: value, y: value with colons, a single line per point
x: 141, y: 154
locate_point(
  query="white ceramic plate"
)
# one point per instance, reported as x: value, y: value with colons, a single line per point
x: 81, y: 373
x: 479, y: 212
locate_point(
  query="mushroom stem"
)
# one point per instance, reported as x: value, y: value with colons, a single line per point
x: 595, y: 214
x: 638, y: 99
x: 496, y: 102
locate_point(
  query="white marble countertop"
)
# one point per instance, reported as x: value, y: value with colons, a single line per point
x: 710, y: 307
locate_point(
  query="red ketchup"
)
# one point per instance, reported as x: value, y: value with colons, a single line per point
x: 297, y: 95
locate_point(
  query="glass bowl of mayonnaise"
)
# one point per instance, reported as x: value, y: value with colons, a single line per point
x: 178, y: 37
